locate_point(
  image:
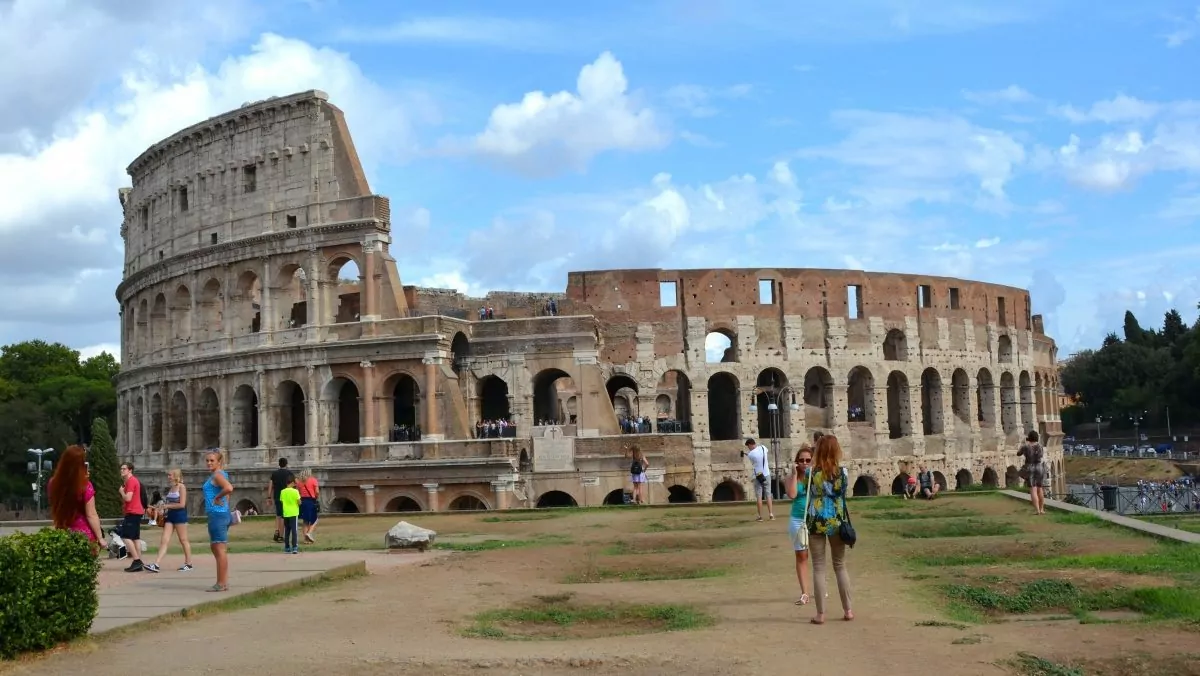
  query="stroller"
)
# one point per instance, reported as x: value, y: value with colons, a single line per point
x: 116, y: 546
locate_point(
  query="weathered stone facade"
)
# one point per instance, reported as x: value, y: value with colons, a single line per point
x: 241, y: 331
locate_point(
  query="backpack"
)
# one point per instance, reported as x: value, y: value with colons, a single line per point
x: 636, y: 468
x: 142, y: 495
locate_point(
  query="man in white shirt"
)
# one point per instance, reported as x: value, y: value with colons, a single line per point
x: 762, y: 476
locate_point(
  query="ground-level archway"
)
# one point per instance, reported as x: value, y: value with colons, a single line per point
x: 899, y: 483
x: 343, y: 506
x: 678, y: 494
x: 402, y: 503
x: 467, y: 503
x: 244, y: 506
x: 940, y: 480
x: 616, y: 497
x: 865, y: 485
x: 962, y: 480
x: 990, y: 480
x: 728, y: 491
x: 1012, y: 478
x: 556, y: 499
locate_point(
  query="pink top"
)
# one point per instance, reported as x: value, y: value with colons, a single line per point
x: 80, y: 524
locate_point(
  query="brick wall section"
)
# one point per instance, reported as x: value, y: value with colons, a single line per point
x: 507, y: 304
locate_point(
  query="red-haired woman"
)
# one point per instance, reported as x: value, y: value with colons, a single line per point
x: 72, y: 497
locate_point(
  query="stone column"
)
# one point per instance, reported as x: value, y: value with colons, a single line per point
x: 311, y: 399
x: 147, y: 419
x: 880, y: 411
x: 370, y: 308
x: 193, y: 315
x: 227, y: 291
x: 431, y: 493
x: 370, y: 424
x: 313, y: 303
x: 501, y: 491
x: 432, y: 427
x: 916, y: 414
x: 840, y: 415
x: 226, y: 408
x: 369, y: 491
x: 267, y: 321
x: 264, y: 407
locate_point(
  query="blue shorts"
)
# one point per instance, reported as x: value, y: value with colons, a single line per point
x: 308, y: 510
x: 176, y: 516
x: 218, y: 527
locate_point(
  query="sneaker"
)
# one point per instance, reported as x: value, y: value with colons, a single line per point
x: 296, y: 550
x: 135, y: 567
x: 308, y: 537
x: 151, y: 568
x: 185, y: 568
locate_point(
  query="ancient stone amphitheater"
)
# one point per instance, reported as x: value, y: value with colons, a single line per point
x: 262, y: 313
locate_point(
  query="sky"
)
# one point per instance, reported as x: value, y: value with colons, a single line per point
x: 1052, y: 145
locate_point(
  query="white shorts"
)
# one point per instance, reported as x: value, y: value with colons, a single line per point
x: 762, y: 490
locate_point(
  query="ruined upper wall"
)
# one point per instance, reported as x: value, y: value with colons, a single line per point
x: 268, y: 166
x: 453, y: 303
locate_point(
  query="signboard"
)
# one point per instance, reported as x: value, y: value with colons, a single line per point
x: 554, y: 455
x: 590, y: 481
x: 655, y: 476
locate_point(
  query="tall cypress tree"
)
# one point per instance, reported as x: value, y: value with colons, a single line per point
x: 106, y: 471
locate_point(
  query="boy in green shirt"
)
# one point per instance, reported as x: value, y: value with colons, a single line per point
x: 289, y: 500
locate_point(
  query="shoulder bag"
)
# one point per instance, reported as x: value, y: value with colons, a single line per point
x: 803, y: 534
x: 846, y: 529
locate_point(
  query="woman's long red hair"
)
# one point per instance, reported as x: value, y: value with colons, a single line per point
x: 70, y: 480
x: 828, y: 457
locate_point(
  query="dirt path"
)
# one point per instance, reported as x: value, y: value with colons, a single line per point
x: 409, y: 620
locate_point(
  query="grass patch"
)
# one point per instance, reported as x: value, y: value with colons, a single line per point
x: 1190, y: 524
x: 689, y: 524
x: 622, y: 547
x: 1164, y: 603
x: 493, y: 544
x: 522, y: 517
x: 1076, y: 518
x: 1026, y: 664
x: 940, y: 623
x: 648, y: 574
x: 1181, y: 560
x: 905, y: 515
x: 559, y: 619
x: 961, y: 529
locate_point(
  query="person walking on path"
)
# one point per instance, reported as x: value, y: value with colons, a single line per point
x: 217, y: 490
x: 73, y: 498
x: 289, y: 500
x: 762, y: 477
x: 131, y: 526
x: 280, y: 478
x: 797, y: 486
x: 175, y: 520
x: 826, y: 512
x: 310, y: 505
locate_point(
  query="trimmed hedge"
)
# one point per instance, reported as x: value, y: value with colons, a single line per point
x: 48, y: 590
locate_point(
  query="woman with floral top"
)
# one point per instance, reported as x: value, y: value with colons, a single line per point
x: 826, y: 511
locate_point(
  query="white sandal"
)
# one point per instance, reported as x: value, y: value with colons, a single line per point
x: 803, y: 600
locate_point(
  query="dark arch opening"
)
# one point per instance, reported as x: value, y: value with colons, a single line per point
x: 962, y: 480
x: 467, y: 503
x: 990, y: 480
x: 1012, y: 478
x: 556, y: 499
x: 460, y: 352
x: 402, y: 503
x: 244, y: 506
x: 343, y: 506
x: 865, y: 486
x: 493, y: 399
x: 777, y: 423
x: 292, y: 415
x: 680, y: 494
x: 616, y: 497
x: 614, y: 385
x: 405, y: 396
x: 728, y: 491
x: 723, y: 413
x: 899, y: 483
x: 940, y: 478
x: 244, y: 430
x: 545, y: 395
x: 348, y: 424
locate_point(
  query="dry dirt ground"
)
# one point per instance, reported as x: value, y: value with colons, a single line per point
x: 416, y: 620
x: 1119, y: 470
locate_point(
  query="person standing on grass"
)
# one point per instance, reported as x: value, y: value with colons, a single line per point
x: 762, y: 476
x: 826, y: 511
x: 280, y: 478
x: 217, y: 490
x: 797, y: 487
x: 1034, y: 471
x: 289, y: 500
x: 310, y: 497
x: 131, y: 526
x: 174, y: 520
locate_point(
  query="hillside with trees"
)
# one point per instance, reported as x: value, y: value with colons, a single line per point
x: 1148, y: 371
x: 49, y: 398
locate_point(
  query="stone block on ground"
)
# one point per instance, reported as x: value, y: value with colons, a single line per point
x: 405, y: 535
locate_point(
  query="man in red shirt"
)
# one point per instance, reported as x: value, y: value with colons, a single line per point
x: 131, y: 526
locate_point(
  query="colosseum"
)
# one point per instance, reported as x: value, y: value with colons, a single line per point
x: 263, y: 313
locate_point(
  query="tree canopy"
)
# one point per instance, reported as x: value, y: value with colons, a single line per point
x: 1149, y: 370
x: 49, y: 398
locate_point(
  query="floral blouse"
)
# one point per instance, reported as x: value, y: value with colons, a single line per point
x: 826, y: 508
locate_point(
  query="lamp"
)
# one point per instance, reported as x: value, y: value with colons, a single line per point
x: 794, y: 406
x: 753, y: 405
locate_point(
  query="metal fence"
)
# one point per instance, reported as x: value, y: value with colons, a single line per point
x: 1144, y: 500
x: 1129, y: 453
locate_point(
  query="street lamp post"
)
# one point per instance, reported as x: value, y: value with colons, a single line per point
x: 1137, y: 431
x: 773, y: 394
x: 37, y: 487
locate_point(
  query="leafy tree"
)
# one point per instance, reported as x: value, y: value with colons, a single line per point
x: 106, y: 471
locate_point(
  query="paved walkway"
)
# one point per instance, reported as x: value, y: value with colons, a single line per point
x: 131, y: 598
x: 1136, y: 524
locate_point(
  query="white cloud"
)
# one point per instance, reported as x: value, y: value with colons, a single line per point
x: 1120, y: 108
x: 93, y: 350
x: 987, y: 243
x: 1185, y: 30
x: 521, y: 35
x: 1009, y: 94
x: 1117, y: 160
x: 699, y: 101
x: 545, y: 135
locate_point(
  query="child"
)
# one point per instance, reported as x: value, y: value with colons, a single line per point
x: 289, y: 499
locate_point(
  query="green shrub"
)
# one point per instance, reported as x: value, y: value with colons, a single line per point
x: 48, y: 591
x: 106, y: 471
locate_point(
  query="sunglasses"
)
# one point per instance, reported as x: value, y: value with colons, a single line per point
x: 805, y: 461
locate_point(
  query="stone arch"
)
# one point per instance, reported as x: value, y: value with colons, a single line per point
x: 208, y: 418
x: 243, y: 428
x: 211, y: 308
x: 931, y: 402
x: 960, y: 402
x: 156, y: 423
x: 985, y: 396
x: 493, y: 399
x: 143, y: 328
x: 179, y: 421
x: 345, y: 278
x: 623, y: 393
x: 940, y: 480
x: 818, y: 398
x: 1008, y: 403
x: 662, y: 406
x: 460, y: 351
x: 546, y: 404
x: 292, y: 427
x: 181, y: 314
x: 770, y: 389
x: 290, y: 297
x: 962, y: 480
x: 899, y: 483
x: 1028, y: 416
x: 1004, y: 350
x: 895, y: 346
x: 556, y: 499
x: 899, y: 406
x: 615, y: 497
x: 865, y: 485
x: 160, y: 323
x: 990, y: 480
x: 403, y: 502
x: 680, y: 494
x: 677, y: 387
x: 724, y: 418
x: 403, y: 391
x: 245, y: 505
x: 1012, y: 478
x: 343, y: 417
x: 468, y: 502
x: 138, y: 420
x: 860, y: 396
x: 720, y: 346
x: 341, y: 505
x: 246, y: 304
x: 728, y: 491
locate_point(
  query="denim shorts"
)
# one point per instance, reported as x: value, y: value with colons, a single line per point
x: 218, y: 527
x: 176, y: 516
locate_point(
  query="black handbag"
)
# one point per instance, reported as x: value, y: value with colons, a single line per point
x: 846, y: 529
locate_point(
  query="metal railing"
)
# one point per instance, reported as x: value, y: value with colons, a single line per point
x: 1129, y: 453
x: 1145, y: 500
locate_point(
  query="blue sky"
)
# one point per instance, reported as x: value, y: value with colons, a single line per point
x: 1050, y: 144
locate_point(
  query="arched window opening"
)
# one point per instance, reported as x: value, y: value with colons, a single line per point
x: 676, y: 417
x: 293, y: 415
x: 860, y: 396
x: 931, y: 402
x: 895, y: 346
x: 724, y: 417
x: 346, y: 304
x: 899, y: 408
x: 243, y: 429
x: 720, y: 347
